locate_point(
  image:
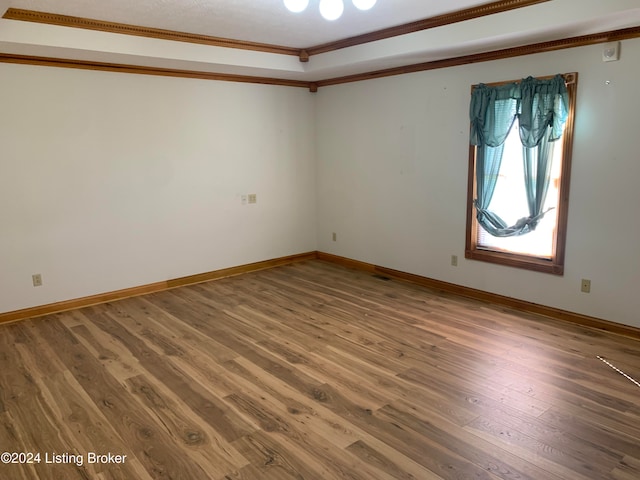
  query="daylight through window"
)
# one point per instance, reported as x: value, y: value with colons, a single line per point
x: 518, y: 196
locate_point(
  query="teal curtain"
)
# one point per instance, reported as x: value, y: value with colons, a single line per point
x: 537, y: 174
x: 488, y: 162
x: 541, y: 108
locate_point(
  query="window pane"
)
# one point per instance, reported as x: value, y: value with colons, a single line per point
x: 542, y: 250
x: 510, y: 203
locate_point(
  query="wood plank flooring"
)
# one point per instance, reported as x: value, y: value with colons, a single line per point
x: 314, y: 371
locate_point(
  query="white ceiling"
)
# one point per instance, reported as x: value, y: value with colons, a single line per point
x: 267, y: 21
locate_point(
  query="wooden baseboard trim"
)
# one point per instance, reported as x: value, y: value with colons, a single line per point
x: 493, y: 298
x: 74, y: 304
x: 514, y: 303
x: 347, y: 262
x: 239, y: 270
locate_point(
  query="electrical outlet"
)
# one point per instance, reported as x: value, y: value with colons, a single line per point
x: 334, y: 237
x: 253, y: 198
x: 37, y: 280
x: 585, y: 285
x: 454, y: 260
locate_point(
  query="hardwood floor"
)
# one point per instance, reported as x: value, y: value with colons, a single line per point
x: 314, y: 371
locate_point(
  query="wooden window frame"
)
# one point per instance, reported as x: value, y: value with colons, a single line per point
x: 554, y: 265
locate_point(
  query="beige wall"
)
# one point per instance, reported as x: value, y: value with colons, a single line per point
x: 392, y: 179
x: 111, y: 181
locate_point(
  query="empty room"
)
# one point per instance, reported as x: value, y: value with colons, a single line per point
x: 319, y: 239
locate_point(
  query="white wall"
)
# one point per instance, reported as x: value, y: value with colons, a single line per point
x: 392, y: 179
x: 110, y: 181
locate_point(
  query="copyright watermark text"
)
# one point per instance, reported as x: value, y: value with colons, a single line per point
x: 54, y: 458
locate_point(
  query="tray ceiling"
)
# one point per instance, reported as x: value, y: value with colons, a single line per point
x: 263, y: 21
x: 267, y: 21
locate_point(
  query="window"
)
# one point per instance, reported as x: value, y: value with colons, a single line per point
x: 518, y: 196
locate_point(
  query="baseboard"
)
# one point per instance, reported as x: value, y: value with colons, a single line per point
x: 150, y: 288
x: 239, y: 270
x: 520, y: 305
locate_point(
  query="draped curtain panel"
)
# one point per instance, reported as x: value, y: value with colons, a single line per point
x: 541, y: 107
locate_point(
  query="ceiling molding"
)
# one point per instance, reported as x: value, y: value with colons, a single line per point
x: 141, y: 70
x: 542, y: 47
x: 122, y: 28
x: 550, y: 46
x: 304, y: 54
x: 425, y: 24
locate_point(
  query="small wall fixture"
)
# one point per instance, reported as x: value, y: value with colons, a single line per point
x: 611, y: 52
x: 329, y: 9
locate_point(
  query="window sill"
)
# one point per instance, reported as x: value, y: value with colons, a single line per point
x: 517, y: 261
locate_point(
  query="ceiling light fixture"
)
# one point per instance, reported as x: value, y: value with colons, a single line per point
x: 296, y: 6
x: 329, y: 9
x: 364, y: 4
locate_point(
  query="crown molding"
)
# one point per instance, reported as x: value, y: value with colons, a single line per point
x: 302, y: 53
x: 573, y: 42
x: 141, y: 70
x: 542, y: 47
x: 425, y: 24
x: 157, y: 33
